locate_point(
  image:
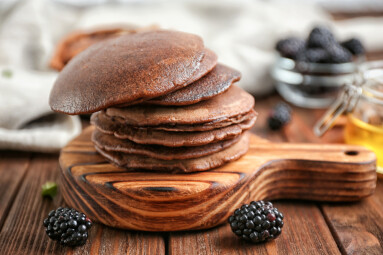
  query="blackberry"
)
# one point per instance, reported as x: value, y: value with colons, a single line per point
x: 67, y: 226
x: 354, y: 46
x: 320, y: 37
x: 338, y: 54
x: 314, y: 55
x: 290, y: 47
x: 257, y: 222
x: 279, y: 116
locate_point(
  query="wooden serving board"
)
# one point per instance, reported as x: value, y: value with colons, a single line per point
x: 153, y: 201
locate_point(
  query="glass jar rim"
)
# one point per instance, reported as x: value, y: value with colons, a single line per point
x: 372, y: 74
x: 372, y: 94
x: 318, y: 68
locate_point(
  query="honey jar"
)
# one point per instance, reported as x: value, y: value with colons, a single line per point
x: 362, y: 102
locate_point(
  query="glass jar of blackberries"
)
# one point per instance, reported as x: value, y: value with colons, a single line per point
x: 362, y: 102
x: 311, y: 73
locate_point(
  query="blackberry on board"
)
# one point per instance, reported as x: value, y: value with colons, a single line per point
x: 257, y: 222
x: 354, y: 45
x: 67, y: 226
x: 290, y: 47
x: 320, y: 37
x: 279, y: 116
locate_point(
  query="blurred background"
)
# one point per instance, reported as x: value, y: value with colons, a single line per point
x: 38, y: 37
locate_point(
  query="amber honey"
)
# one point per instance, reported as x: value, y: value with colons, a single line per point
x: 371, y: 136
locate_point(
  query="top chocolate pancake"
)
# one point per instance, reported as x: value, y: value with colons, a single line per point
x: 209, y: 57
x: 234, y: 102
x: 212, y: 84
x: 129, y: 69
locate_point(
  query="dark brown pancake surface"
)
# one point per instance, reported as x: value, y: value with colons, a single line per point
x: 233, y: 102
x: 111, y: 143
x: 188, y: 128
x: 208, y: 125
x: 76, y: 42
x: 214, y: 83
x: 173, y: 139
x: 129, y: 69
x: 133, y: 161
x: 205, y: 67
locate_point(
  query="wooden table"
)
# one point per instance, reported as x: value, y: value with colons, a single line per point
x: 310, y: 227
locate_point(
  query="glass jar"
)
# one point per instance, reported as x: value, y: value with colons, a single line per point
x: 312, y: 85
x: 362, y: 101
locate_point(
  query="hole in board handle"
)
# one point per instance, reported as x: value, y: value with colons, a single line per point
x: 351, y: 153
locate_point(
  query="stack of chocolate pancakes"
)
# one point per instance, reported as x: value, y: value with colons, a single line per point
x: 159, y: 101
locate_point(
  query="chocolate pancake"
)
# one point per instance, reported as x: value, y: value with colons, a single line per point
x: 234, y: 102
x: 206, y: 126
x: 111, y: 143
x: 212, y: 84
x: 128, y: 69
x: 173, y: 139
x: 190, y: 128
x: 133, y: 161
x: 78, y: 41
x: 209, y: 58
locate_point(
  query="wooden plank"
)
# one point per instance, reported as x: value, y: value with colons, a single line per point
x: 300, y: 130
x: 12, y: 169
x: 305, y: 232
x: 301, y: 234
x: 358, y: 227
x: 157, y: 201
x: 23, y: 232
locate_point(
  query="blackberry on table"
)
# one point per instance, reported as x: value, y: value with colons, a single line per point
x: 67, y: 226
x: 290, y: 47
x: 354, y: 45
x: 257, y: 222
x: 279, y: 116
x: 320, y: 37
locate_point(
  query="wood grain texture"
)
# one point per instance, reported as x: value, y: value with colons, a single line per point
x: 12, y: 169
x: 113, y: 241
x: 305, y: 232
x: 164, y: 202
x: 357, y: 227
x: 23, y: 232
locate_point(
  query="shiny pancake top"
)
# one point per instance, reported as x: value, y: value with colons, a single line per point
x: 129, y: 69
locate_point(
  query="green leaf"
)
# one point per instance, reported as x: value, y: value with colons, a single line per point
x: 49, y: 189
x: 7, y: 73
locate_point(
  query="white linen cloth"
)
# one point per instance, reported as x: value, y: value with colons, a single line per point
x: 242, y: 33
x: 24, y: 100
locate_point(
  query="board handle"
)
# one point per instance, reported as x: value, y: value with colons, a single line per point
x: 318, y: 172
